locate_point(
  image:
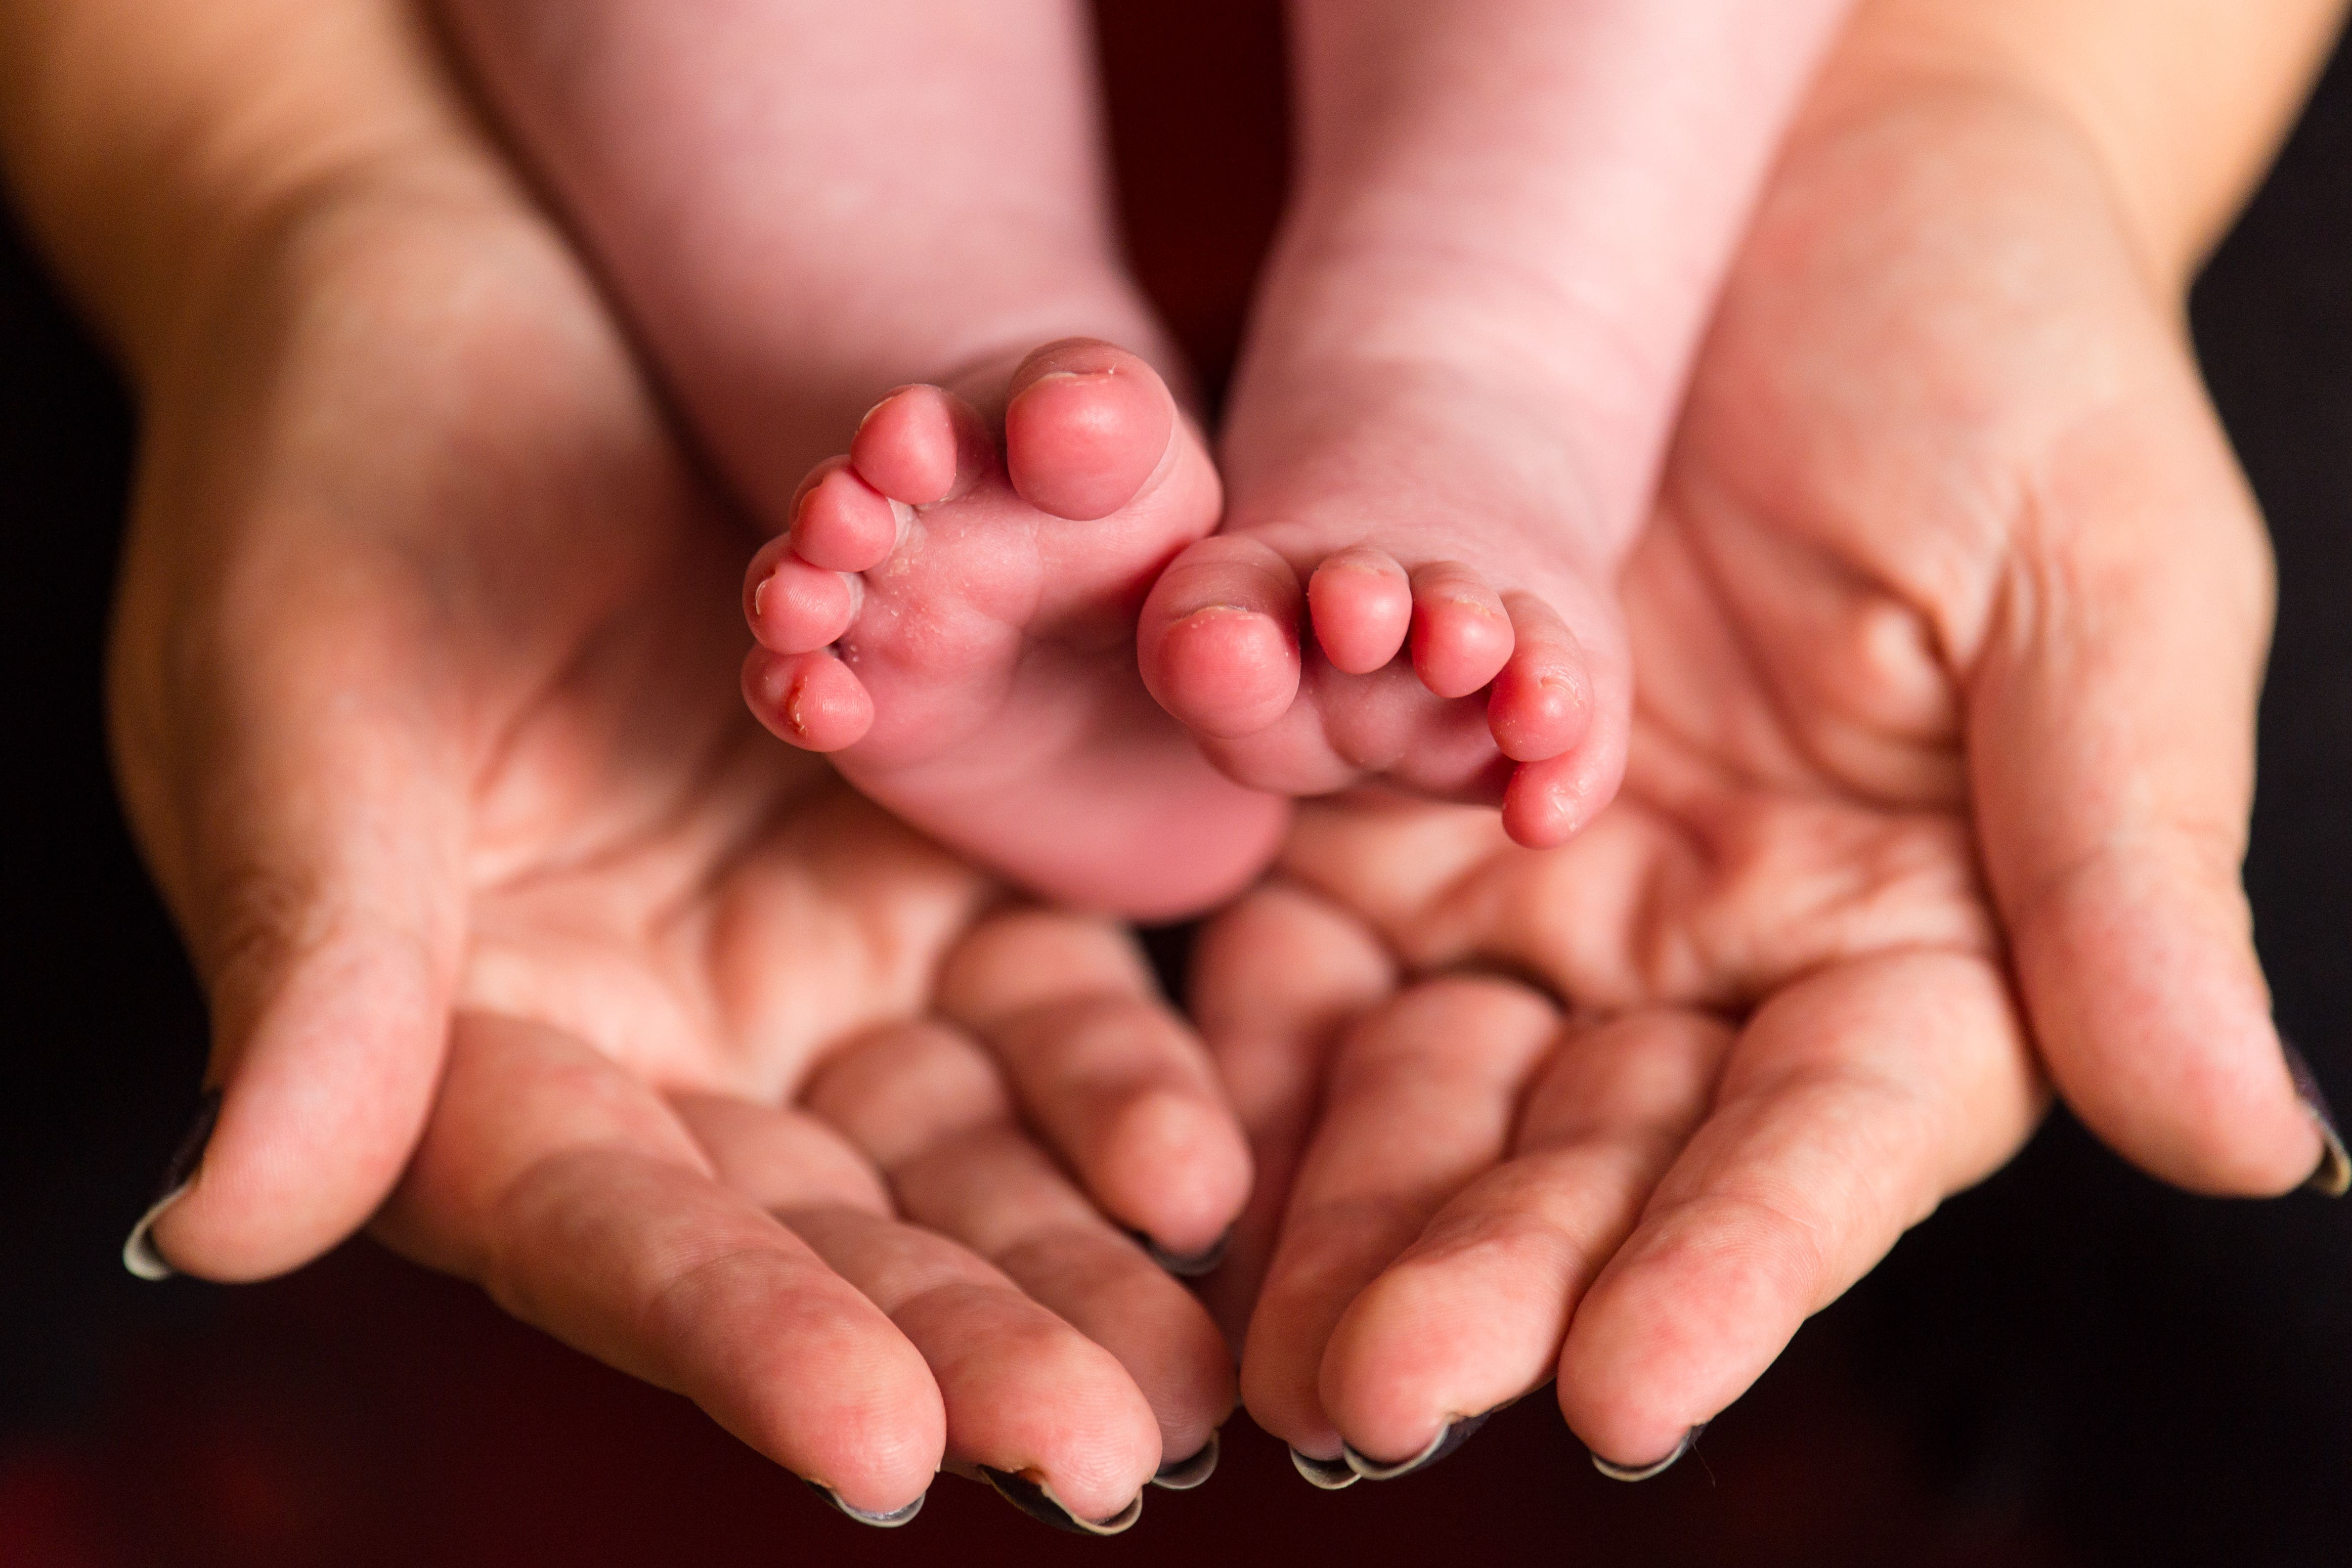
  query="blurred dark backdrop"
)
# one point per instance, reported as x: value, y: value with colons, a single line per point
x: 2069, y: 1366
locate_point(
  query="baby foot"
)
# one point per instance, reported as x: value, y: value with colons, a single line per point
x: 1398, y: 596
x: 952, y: 616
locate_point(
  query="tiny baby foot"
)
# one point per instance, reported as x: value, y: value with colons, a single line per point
x: 1409, y: 622
x: 952, y: 616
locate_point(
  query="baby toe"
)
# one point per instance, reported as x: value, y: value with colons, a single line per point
x: 1361, y: 603
x: 1218, y: 641
x: 808, y: 698
x: 1461, y: 636
x: 798, y: 608
x: 841, y: 524
x: 1542, y: 700
x: 921, y: 444
x: 1087, y: 424
x: 1549, y: 802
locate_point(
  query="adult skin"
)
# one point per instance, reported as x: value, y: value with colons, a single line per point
x: 1949, y: 626
x: 424, y: 710
x: 264, y: 876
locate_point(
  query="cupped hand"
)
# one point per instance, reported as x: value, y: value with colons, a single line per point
x: 1949, y: 630
x: 424, y: 704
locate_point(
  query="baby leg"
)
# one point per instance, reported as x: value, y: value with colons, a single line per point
x: 804, y: 204
x: 1511, y: 220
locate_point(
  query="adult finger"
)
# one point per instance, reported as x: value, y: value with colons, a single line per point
x: 2111, y: 723
x: 1473, y: 1314
x: 1419, y: 1101
x: 1853, y: 1101
x: 1046, y: 1415
x: 926, y: 1104
x: 575, y: 1195
x: 1107, y: 1072
x: 1276, y: 981
x: 293, y: 786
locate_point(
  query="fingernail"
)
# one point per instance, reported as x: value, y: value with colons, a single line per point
x: 139, y: 1253
x: 1449, y: 1437
x: 1183, y: 1475
x: 1036, y: 1500
x: 1643, y: 1472
x: 1331, y: 1475
x: 891, y: 1520
x: 1187, y: 1264
x: 2332, y: 1175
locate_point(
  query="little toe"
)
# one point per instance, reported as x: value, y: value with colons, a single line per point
x: 1548, y: 803
x: 799, y: 608
x: 1361, y: 603
x: 1087, y: 424
x: 1218, y: 638
x: 1542, y: 700
x: 808, y: 698
x: 842, y: 524
x: 1461, y: 635
x: 921, y: 444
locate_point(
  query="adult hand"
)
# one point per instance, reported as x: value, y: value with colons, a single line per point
x: 1950, y: 631
x: 425, y: 709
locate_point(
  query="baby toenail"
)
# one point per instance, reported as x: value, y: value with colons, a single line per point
x: 759, y: 596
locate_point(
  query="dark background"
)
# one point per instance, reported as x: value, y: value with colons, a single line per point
x: 2069, y: 1366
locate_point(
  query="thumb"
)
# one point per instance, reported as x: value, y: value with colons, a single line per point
x: 298, y: 803
x: 2111, y: 728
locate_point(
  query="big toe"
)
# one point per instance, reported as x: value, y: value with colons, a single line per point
x: 1218, y: 638
x: 1087, y: 426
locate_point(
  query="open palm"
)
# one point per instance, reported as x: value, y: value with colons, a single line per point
x: 1948, y: 631
x: 425, y: 708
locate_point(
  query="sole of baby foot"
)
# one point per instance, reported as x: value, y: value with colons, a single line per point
x: 951, y: 618
x: 1305, y: 669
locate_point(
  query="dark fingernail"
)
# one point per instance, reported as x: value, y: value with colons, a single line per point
x: 1643, y: 1472
x: 1331, y: 1475
x: 2332, y: 1175
x: 1450, y: 1437
x: 891, y: 1520
x: 1183, y: 1475
x: 139, y: 1253
x: 1036, y: 1500
x: 1187, y: 1264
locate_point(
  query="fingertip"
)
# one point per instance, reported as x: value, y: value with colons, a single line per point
x: 878, y: 1447
x: 325, y: 1098
x: 1410, y: 1357
x: 1661, y: 1346
x: 2150, y: 1003
x: 1174, y: 1164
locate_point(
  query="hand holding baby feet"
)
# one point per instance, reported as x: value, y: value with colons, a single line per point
x: 951, y: 615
